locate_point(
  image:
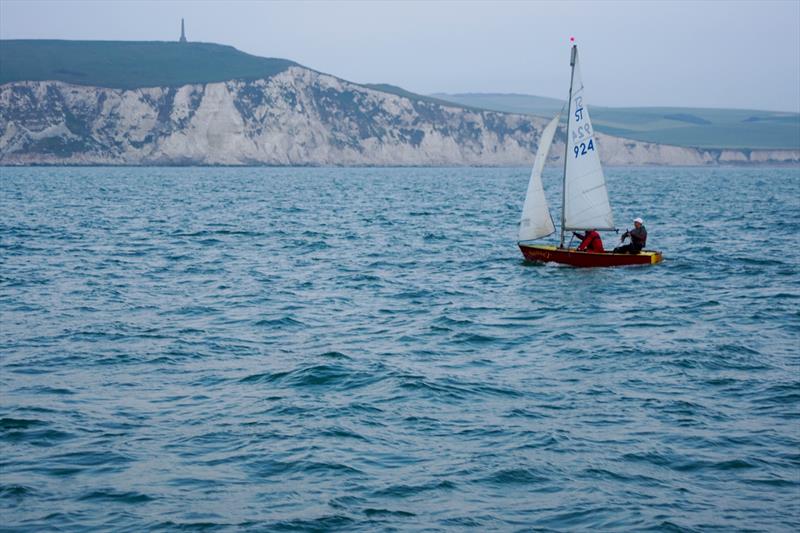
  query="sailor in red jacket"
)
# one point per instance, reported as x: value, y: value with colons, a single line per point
x: 590, y: 242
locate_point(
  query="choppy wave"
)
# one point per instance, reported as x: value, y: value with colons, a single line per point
x: 362, y: 350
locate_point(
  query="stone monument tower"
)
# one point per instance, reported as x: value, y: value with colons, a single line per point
x: 183, y: 33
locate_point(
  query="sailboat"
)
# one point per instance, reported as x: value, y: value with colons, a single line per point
x: 584, y: 199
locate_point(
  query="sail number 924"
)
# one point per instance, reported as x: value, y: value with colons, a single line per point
x: 583, y: 148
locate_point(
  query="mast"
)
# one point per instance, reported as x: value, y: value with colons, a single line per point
x: 566, y: 143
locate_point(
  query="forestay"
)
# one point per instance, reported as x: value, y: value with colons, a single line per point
x: 586, y: 203
x: 536, y: 220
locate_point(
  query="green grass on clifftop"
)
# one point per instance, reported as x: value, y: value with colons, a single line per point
x: 680, y: 126
x: 130, y: 64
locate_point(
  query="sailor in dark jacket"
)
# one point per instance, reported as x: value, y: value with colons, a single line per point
x: 638, y: 237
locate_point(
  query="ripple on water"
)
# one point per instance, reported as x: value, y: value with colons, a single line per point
x: 208, y: 348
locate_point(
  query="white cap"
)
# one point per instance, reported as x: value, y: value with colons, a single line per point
x: 639, y: 220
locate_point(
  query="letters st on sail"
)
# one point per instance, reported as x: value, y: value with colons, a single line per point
x: 583, y: 131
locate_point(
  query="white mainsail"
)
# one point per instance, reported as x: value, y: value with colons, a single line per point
x: 585, y: 195
x: 536, y: 221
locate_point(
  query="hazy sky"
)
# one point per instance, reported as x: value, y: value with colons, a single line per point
x: 721, y: 53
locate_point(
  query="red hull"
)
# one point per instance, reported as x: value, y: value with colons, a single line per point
x: 570, y: 256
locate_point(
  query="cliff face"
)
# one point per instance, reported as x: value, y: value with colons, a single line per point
x: 297, y: 117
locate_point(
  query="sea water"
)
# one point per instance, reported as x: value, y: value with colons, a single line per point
x: 365, y: 350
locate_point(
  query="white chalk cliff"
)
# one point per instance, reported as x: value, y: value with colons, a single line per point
x: 297, y: 117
